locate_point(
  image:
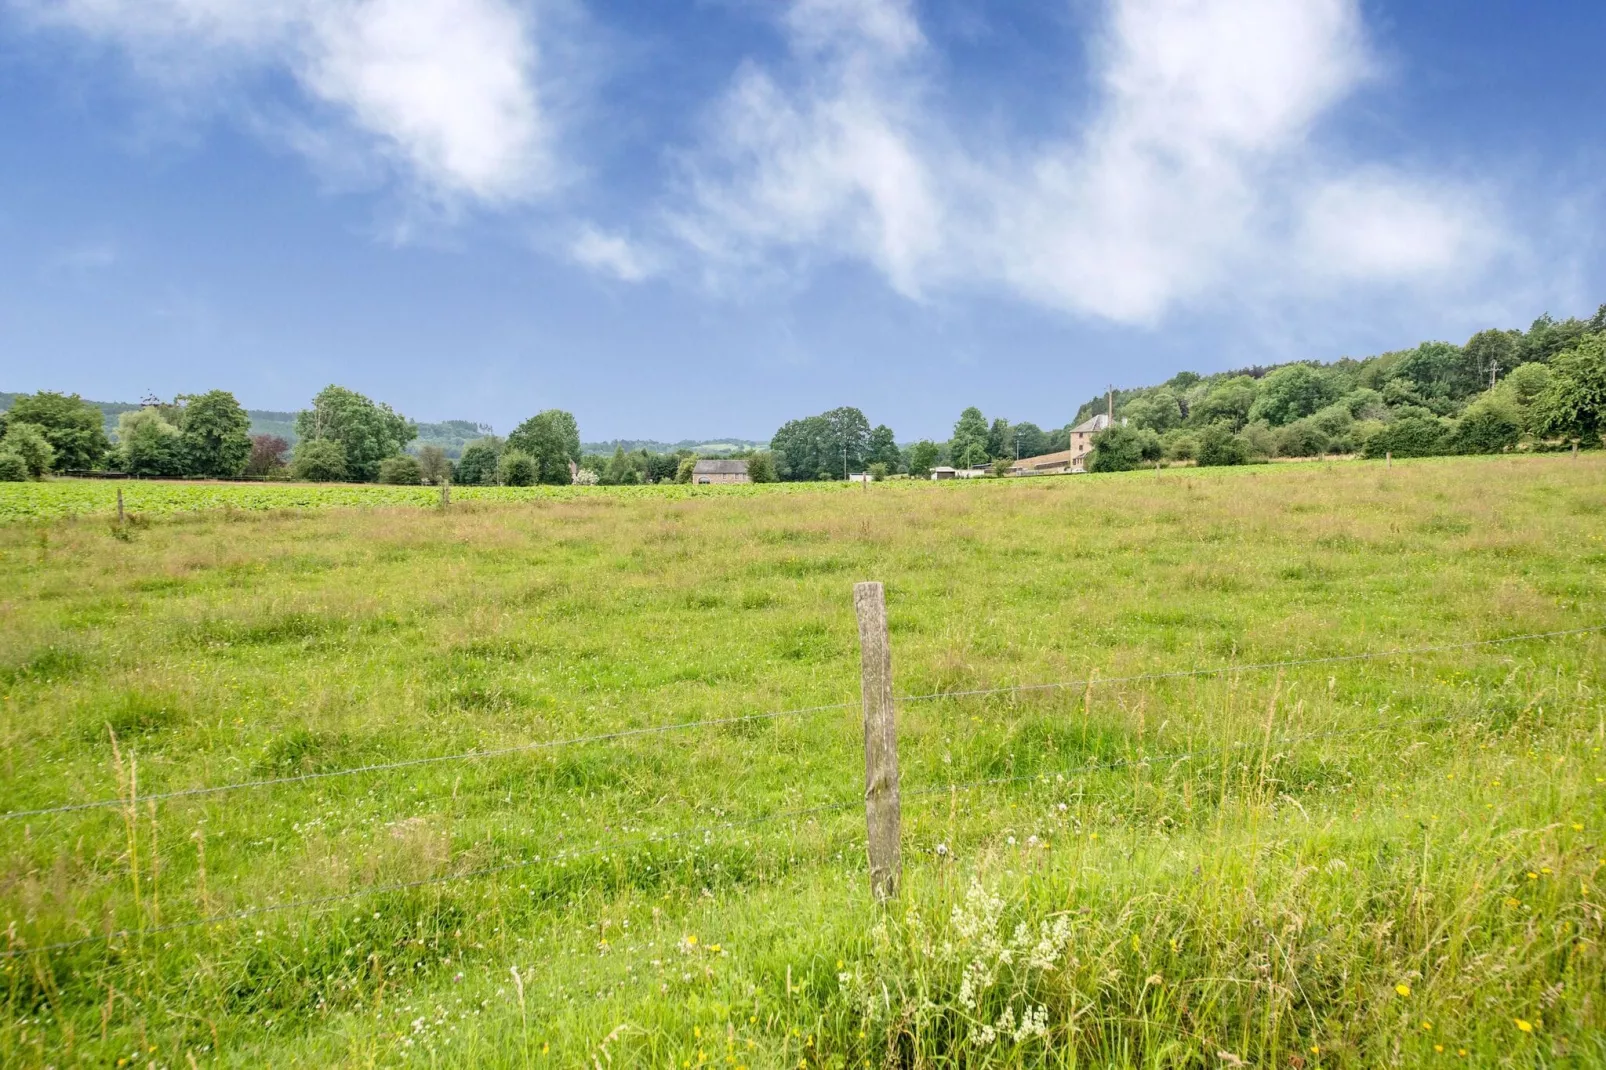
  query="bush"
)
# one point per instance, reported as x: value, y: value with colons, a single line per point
x: 760, y: 467
x: 1181, y: 445
x: 1259, y: 442
x: 433, y: 467
x: 1410, y: 436
x: 148, y: 444
x: 28, y: 444
x: 878, y: 471
x: 319, y: 460
x: 518, y: 469
x: 267, y: 455
x: 477, y: 466
x: 1488, y: 426
x: 13, y: 469
x: 585, y: 477
x: 1122, y: 448
x: 1218, y: 446
x: 1302, y: 438
x: 401, y: 470
x: 684, y: 472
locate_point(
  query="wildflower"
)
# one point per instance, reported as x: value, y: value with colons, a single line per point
x: 1427, y: 1027
x: 1578, y: 828
x: 1532, y: 875
x: 1461, y: 1052
x: 1315, y: 1049
x: 691, y: 941
x: 1439, y: 1048
x: 839, y: 964
x: 1403, y: 989
x: 1525, y: 1026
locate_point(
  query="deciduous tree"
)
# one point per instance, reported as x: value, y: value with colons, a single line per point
x: 214, y: 435
x: 75, y: 429
x: 367, y: 432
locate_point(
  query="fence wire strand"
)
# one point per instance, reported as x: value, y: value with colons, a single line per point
x: 1092, y: 681
x: 426, y: 882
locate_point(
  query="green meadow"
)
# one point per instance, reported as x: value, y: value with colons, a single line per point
x: 1185, y: 856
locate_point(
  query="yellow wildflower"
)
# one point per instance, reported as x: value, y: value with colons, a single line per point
x: 1403, y: 989
x: 1526, y: 1027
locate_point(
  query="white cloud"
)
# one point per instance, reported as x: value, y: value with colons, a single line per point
x: 612, y: 254
x: 1196, y: 175
x: 445, y: 90
x: 832, y: 166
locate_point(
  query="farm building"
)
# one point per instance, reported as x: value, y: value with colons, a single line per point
x: 720, y: 472
x: 1071, y: 460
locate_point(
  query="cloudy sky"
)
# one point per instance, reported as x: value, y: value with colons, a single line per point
x: 700, y: 218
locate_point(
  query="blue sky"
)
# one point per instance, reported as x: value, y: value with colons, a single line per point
x: 704, y: 218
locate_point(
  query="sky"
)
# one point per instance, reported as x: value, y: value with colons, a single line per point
x: 704, y: 218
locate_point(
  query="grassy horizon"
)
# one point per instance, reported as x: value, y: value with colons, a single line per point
x: 1340, y: 864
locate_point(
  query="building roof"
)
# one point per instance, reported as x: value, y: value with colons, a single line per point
x: 1046, y: 460
x: 1097, y: 423
x: 720, y: 468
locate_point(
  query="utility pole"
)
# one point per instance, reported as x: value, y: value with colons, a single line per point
x: 1494, y: 366
x: 1109, y: 404
x: 844, y: 462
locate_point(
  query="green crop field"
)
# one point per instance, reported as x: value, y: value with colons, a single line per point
x: 1392, y: 861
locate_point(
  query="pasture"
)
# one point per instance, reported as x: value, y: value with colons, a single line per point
x: 1185, y: 856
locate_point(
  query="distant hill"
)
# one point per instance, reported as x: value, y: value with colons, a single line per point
x: 695, y: 445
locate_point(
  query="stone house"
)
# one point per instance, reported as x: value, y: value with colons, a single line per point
x: 707, y: 471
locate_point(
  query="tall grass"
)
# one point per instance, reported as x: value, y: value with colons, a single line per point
x: 1337, y: 864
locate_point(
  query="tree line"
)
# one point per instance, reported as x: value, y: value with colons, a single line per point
x: 342, y: 437
x: 1502, y: 390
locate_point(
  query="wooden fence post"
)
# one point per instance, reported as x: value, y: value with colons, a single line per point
x: 1388, y: 458
x: 882, y: 810
x: 120, y: 516
x: 446, y: 493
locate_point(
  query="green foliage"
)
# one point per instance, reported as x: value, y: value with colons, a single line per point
x: 1491, y: 350
x: 1030, y: 440
x: 148, y: 445
x: 13, y: 469
x: 1217, y: 446
x: 823, y: 447
x: 968, y: 446
x: 1409, y: 436
x: 884, y: 448
x: 1526, y: 383
x: 878, y: 471
x: 75, y: 429
x: 479, y: 464
x: 1302, y: 438
x: 687, y: 465
x: 1000, y: 440
x: 1573, y: 404
x: 214, y: 435
x: 1227, y: 401
x: 402, y: 470
x: 29, y: 444
x: 1489, y: 425
x: 367, y: 432
x: 1259, y: 441
x: 551, y: 439
x: 922, y: 458
x: 319, y: 460
x: 1121, y: 448
x: 1438, y: 373
x: 1158, y: 411
x: 518, y: 469
x: 433, y: 467
x: 1547, y: 337
x: 1291, y: 392
x: 760, y: 467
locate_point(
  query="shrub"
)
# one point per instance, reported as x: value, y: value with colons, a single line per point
x: 477, y: 466
x: 1302, y: 438
x: 684, y: 472
x: 1219, y: 446
x: 585, y: 477
x: 319, y: 460
x: 1122, y: 448
x: 28, y: 444
x: 401, y: 470
x: 13, y: 469
x: 1410, y: 436
x: 1181, y: 445
x: 518, y: 469
x: 761, y: 467
x: 433, y: 467
x: 148, y: 444
x: 878, y: 471
x: 1488, y: 426
x: 1259, y: 441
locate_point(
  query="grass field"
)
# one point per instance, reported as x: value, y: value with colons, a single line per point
x: 1396, y: 861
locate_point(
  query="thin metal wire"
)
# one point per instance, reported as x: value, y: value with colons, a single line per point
x: 450, y: 878
x: 1179, y: 756
x: 410, y: 763
x: 1222, y: 670
x: 717, y: 721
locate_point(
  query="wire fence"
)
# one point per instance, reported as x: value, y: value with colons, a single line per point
x: 633, y: 843
x: 715, y: 722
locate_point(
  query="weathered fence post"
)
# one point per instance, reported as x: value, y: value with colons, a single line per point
x: 1575, y: 449
x: 882, y: 810
x: 1388, y: 458
x: 446, y: 493
x: 120, y: 516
